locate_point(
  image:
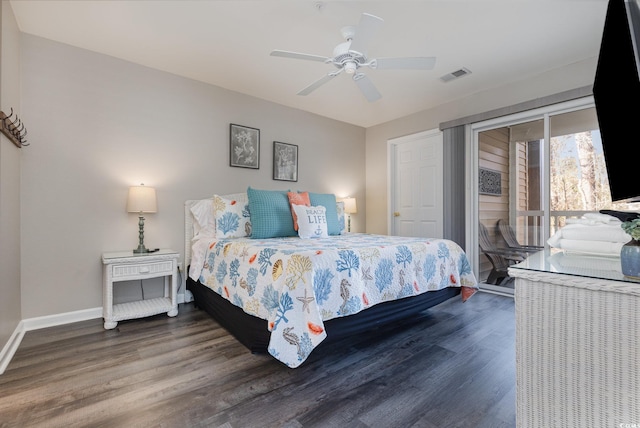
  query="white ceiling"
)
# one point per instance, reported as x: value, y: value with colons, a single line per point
x: 227, y: 43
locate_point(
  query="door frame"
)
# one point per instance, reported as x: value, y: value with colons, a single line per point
x: 472, y: 162
x: 391, y: 168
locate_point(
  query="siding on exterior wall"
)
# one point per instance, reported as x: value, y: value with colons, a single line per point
x: 493, y: 154
x: 522, y: 191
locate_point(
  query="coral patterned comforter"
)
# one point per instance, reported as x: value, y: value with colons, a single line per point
x: 296, y: 284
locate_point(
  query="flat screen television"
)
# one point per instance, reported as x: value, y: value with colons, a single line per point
x: 616, y: 92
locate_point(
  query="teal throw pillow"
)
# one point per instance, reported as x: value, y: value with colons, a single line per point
x: 270, y: 214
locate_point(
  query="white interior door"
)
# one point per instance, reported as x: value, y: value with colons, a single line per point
x: 416, y: 190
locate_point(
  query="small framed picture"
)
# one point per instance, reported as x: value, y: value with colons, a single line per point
x: 244, y: 147
x: 285, y: 161
x: 489, y: 182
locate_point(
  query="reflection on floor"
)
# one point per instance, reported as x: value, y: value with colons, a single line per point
x: 507, y: 288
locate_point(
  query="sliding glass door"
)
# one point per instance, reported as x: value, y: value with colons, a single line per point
x: 510, y: 202
x: 530, y: 172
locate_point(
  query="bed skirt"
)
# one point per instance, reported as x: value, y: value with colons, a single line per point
x: 252, y: 331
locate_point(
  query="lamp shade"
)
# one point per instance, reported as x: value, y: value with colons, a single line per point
x: 142, y: 199
x: 350, y: 205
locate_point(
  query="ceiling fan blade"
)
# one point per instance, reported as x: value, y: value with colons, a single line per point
x: 296, y: 55
x: 315, y: 85
x: 364, y: 33
x: 416, y: 63
x: 366, y: 86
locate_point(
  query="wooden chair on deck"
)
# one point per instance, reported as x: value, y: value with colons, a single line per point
x: 509, y: 237
x: 500, y: 258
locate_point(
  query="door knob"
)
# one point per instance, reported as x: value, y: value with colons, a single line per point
x: 396, y: 214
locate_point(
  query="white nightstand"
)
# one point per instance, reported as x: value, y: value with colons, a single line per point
x: 127, y: 266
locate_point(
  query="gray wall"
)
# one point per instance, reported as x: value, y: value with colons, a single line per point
x: 10, y: 314
x: 99, y: 125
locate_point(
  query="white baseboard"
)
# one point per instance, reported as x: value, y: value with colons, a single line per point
x: 11, y: 347
x: 42, y: 322
x: 51, y: 321
x: 61, y: 319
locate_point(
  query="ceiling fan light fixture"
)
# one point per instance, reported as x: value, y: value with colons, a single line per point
x: 351, y: 55
x: 350, y: 67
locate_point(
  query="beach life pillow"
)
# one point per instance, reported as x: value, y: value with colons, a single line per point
x: 328, y: 200
x: 301, y: 198
x: 312, y: 221
x: 232, y: 216
x: 270, y: 214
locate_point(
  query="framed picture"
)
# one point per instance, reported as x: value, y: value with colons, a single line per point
x: 285, y: 161
x: 244, y: 147
x: 490, y: 182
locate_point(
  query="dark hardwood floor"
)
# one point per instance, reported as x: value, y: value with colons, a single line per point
x: 452, y: 367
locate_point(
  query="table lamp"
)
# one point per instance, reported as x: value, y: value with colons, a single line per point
x: 349, y: 208
x: 141, y: 200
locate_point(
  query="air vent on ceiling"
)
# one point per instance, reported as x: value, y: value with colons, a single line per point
x: 455, y: 75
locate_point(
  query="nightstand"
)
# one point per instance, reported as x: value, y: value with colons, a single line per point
x: 127, y: 266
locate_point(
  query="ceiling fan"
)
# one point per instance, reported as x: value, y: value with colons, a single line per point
x: 351, y: 55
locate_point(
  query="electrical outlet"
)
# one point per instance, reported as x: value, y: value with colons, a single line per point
x: 180, y: 266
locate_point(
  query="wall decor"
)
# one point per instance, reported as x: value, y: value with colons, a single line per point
x: 13, y: 128
x: 244, y: 146
x: 490, y: 182
x: 285, y: 161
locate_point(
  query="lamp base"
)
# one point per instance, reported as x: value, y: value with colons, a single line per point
x: 141, y: 248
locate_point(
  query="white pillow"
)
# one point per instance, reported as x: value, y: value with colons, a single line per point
x: 232, y: 217
x: 312, y: 221
x: 204, y: 222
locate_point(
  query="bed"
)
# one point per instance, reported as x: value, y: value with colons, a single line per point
x: 285, y: 292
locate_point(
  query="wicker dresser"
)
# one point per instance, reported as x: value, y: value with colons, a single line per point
x: 577, y: 342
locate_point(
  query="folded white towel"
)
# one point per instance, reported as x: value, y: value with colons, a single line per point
x: 604, y: 218
x: 601, y: 232
x: 588, y: 247
x: 594, y: 219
